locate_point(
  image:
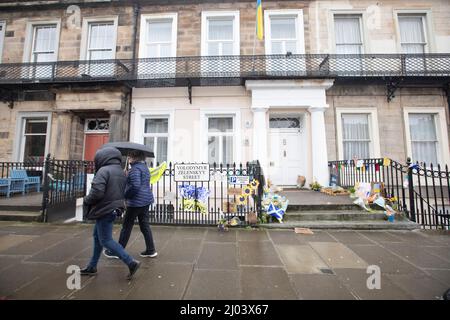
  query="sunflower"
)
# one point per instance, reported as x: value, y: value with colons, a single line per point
x: 247, y: 191
x: 241, y: 200
x: 254, y: 184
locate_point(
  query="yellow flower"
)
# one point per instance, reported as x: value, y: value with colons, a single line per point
x: 241, y: 200
x: 254, y: 184
x: 247, y: 191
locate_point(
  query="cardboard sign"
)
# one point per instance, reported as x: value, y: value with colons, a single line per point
x: 191, y: 172
x: 243, y: 180
x: 234, y: 191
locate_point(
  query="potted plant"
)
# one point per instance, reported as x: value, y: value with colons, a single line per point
x: 315, y: 186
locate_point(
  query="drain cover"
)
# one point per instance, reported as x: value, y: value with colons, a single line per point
x: 327, y: 271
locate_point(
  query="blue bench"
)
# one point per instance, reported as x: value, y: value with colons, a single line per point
x: 12, y: 185
x: 30, y: 182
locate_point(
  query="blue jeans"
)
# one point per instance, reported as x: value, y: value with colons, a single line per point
x: 103, y: 238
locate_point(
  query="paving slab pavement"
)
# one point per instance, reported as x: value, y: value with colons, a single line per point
x: 202, y: 263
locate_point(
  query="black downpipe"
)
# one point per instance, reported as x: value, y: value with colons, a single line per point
x: 447, y: 92
x: 136, y: 12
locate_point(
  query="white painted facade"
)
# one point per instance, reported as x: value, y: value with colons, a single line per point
x: 250, y: 107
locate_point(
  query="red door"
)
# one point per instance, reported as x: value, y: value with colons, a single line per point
x: 92, y: 142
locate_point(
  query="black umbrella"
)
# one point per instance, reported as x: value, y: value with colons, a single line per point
x: 126, y: 147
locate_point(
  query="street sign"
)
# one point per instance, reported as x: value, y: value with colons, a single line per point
x: 191, y: 172
x: 239, y: 180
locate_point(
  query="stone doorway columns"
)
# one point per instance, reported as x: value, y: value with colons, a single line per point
x: 291, y: 95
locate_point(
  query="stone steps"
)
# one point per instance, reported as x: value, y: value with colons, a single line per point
x: 344, y: 225
x: 339, y: 215
x: 25, y: 216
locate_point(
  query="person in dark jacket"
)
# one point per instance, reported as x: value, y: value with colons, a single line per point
x: 139, y: 197
x: 104, y: 201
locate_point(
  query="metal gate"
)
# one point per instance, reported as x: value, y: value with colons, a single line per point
x: 64, y: 182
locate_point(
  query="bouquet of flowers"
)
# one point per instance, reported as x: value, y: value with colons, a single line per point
x: 194, y: 198
x: 275, y: 205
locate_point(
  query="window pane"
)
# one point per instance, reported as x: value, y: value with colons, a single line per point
x: 347, y: 30
x: 355, y: 126
x: 283, y: 28
x: 353, y: 149
x: 161, y: 152
x: 101, y: 55
x: 45, y: 38
x: 35, y: 126
x: 291, y: 46
x: 284, y: 123
x: 220, y: 124
x: 152, y: 51
x: 159, y: 31
x: 213, y: 49
x: 101, y: 35
x: 44, y: 57
x: 227, y: 152
x: 422, y: 127
x: 150, y: 142
x: 411, y: 29
x: 220, y: 29
x: 348, y: 49
x: 424, y: 152
x: 165, y: 50
x: 413, y: 48
x: 213, y: 150
x: 277, y: 47
x: 156, y: 125
x: 227, y: 48
x: 356, y: 136
x: 34, y: 148
x: 423, y: 137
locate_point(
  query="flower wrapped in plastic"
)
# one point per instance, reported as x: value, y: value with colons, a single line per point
x: 276, y: 212
x: 275, y: 205
x: 194, y: 198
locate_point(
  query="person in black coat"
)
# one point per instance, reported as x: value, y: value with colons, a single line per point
x: 139, y: 197
x: 103, y: 203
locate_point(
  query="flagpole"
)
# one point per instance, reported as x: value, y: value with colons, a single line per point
x: 254, y: 38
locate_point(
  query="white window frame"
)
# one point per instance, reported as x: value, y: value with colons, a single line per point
x: 138, y: 126
x: 443, y: 155
x: 364, y: 30
x: 374, y: 146
x: 85, y: 34
x: 29, y: 37
x: 156, y: 135
x: 360, y: 16
x: 426, y: 23
x: 205, y: 114
x: 19, y: 146
x: 2, y: 38
x: 299, y: 26
x: 143, y: 32
x: 218, y: 14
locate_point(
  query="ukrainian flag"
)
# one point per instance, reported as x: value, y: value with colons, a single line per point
x: 259, y: 20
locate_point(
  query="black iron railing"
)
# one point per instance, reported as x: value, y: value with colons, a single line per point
x: 169, y: 206
x: 422, y: 191
x: 66, y: 180
x: 228, y: 69
x: 33, y: 168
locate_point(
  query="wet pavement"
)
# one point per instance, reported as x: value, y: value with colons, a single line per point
x: 203, y: 264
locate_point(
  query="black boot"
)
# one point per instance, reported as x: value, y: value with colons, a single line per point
x: 133, y: 267
x: 88, y: 271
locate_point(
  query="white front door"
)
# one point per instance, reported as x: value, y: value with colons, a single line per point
x: 287, y: 151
